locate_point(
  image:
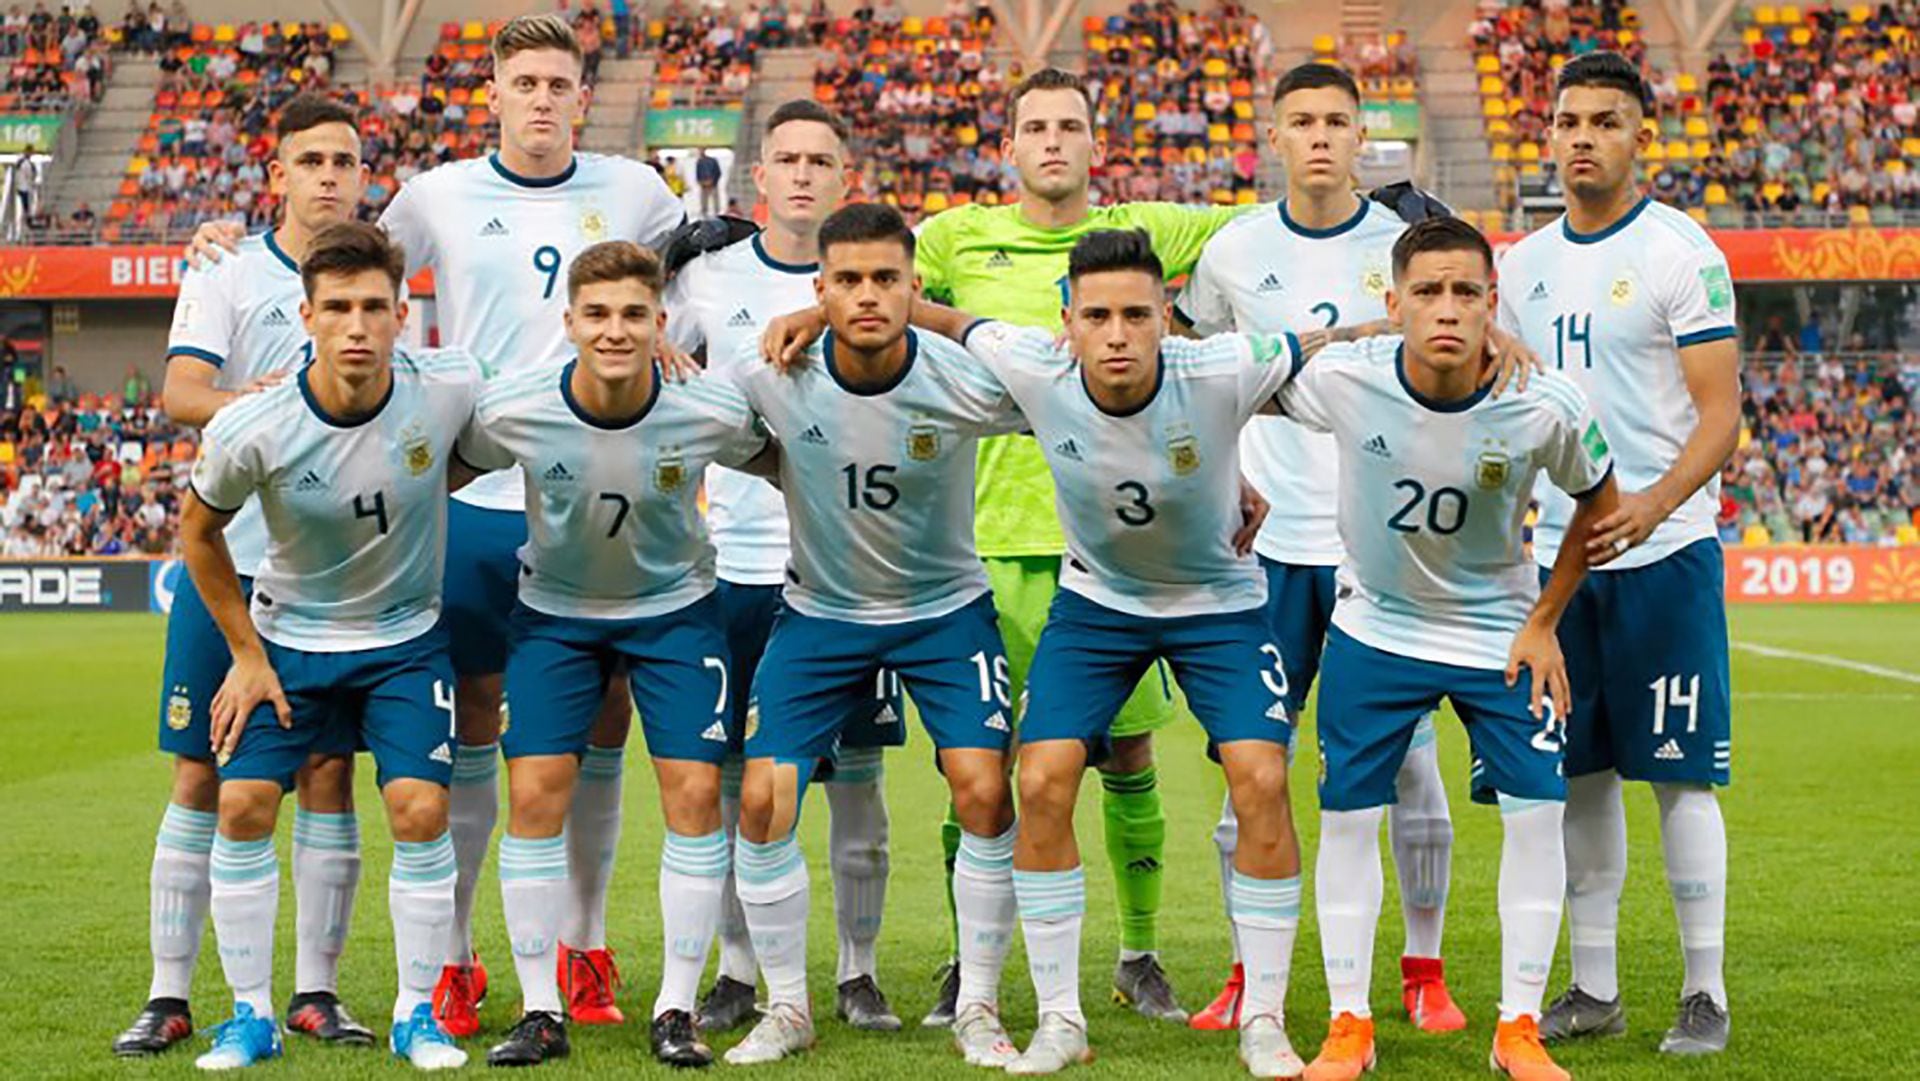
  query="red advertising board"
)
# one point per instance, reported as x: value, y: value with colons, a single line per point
x: 1832, y: 574
x: 105, y: 273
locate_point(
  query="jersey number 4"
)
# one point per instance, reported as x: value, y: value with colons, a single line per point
x: 376, y: 509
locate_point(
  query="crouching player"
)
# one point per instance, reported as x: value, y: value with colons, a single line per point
x: 1438, y: 599
x: 617, y: 571
x: 349, y: 462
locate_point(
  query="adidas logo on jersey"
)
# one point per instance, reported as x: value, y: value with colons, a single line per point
x: 741, y: 318
x: 558, y: 472
x: 442, y: 754
x: 1270, y: 284
x: 885, y: 717
x: 1670, y: 752
x: 1277, y: 711
x: 998, y: 722
x: 494, y: 227
x: 276, y: 318
x: 309, y: 482
x: 1067, y: 448
x: 814, y: 435
x: 1539, y: 291
x: 1377, y: 446
x: 999, y: 260
x: 716, y: 732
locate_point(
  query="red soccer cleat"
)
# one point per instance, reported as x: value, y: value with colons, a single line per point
x: 455, y: 1005
x: 1223, y: 1013
x: 588, y: 979
x: 1423, y: 989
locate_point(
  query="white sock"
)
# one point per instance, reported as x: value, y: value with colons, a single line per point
x: 326, y: 874
x: 593, y: 839
x: 178, y: 895
x: 984, y: 904
x: 1266, y: 913
x: 1533, y: 878
x: 691, y: 870
x: 1347, y: 888
x: 736, y: 948
x: 857, y: 855
x: 473, y: 806
x: 1596, y: 847
x: 245, y: 877
x: 1421, y: 832
x: 420, y: 899
x: 1226, y: 838
x: 1052, y: 905
x: 773, y: 893
x: 1693, y: 837
x: 533, y: 887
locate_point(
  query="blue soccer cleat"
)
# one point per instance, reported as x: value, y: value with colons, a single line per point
x: 421, y: 1041
x: 242, y: 1041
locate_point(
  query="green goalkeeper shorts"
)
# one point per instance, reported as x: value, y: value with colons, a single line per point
x: 1023, y: 588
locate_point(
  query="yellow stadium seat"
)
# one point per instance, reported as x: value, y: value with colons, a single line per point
x: 1797, y: 101
x: 1652, y: 126
x: 1502, y: 152
x: 473, y: 30
x: 291, y: 28
x: 1243, y: 110
x: 1821, y: 190
x: 1750, y: 36
x: 1491, y: 86
x: 1910, y: 146
x: 1323, y: 44
x: 1716, y: 195
x: 1766, y: 15
x: 1246, y: 197
x: 338, y: 34
x: 479, y: 98
x: 1907, y: 534
x: 1859, y: 13
x: 1678, y: 150
x: 1730, y: 147
x: 1143, y: 111
x: 1487, y: 64
x: 1789, y: 14
x: 1702, y: 149
x: 138, y: 165
x: 1697, y: 127
x: 1698, y: 214
x: 1499, y: 129
x: 936, y: 201
x: 1895, y: 167
x: 1800, y: 35
x: 1749, y: 125
x: 1529, y: 152
x: 1096, y: 43
x: 1405, y: 88
x: 1859, y: 216
x: 1772, y: 190
x: 1531, y: 171
x: 1143, y: 135
x: 1656, y: 151
x: 1219, y: 133
x: 1686, y: 83
x: 1214, y: 68
x: 1756, y: 536
x: 225, y: 34
x: 1197, y: 155
x: 912, y: 26
x: 1627, y: 37
x: 1493, y: 107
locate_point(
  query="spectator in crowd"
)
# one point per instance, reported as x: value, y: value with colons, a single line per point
x: 706, y: 173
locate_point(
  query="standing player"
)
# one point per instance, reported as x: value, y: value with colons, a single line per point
x: 1437, y: 600
x: 1321, y: 258
x: 236, y: 329
x: 618, y: 572
x: 877, y: 458
x: 1632, y: 300
x: 1010, y: 263
x: 349, y: 462
x: 715, y: 303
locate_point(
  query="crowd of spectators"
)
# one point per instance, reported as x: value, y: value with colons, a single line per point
x: 53, y: 60
x: 704, y: 53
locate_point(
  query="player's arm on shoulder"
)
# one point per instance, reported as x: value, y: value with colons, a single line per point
x: 1268, y: 362
x: 1180, y: 232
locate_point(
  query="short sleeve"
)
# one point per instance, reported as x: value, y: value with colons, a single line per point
x: 1307, y: 397
x: 203, y: 320
x: 1268, y: 362
x: 979, y: 392
x: 1180, y: 233
x: 1504, y: 316
x: 478, y: 446
x: 661, y: 213
x: 683, y: 315
x: 406, y: 222
x: 1698, y: 298
x: 744, y: 442
x: 1576, y: 456
x: 227, y: 470
x: 1000, y: 345
x: 1204, y: 304
x: 933, y: 256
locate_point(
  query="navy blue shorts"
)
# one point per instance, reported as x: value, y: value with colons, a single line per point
x: 397, y: 699
x: 1646, y: 653
x: 1371, y: 701
x: 481, y: 584
x: 1091, y: 657
x: 676, y: 665
x: 1299, y: 611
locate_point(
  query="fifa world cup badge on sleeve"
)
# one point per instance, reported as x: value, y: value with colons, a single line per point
x: 923, y: 441
x: 1594, y: 441
x: 1718, y: 285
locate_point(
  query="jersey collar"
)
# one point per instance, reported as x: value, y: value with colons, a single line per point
x: 1347, y: 226
x: 1567, y: 230
x: 760, y: 250
x: 280, y: 253
x: 1159, y: 378
x: 512, y: 177
x: 306, y: 392
x: 1459, y: 405
x: 913, y: 352
x: 573, y: 404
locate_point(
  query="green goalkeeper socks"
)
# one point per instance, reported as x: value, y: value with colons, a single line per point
x: 1136, y: 846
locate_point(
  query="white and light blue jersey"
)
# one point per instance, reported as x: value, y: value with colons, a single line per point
x: 356, y: 511
x: 613, y: 517
x: 242, y: 315
x: 1149, y: 499
x: 1433, y: 496
x: 718, y: 301
x: 1611, y: 311
x: 879, y: 480
x: 1266, y: 273
x: 499, y: 245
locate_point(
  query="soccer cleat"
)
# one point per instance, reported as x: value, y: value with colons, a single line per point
x: 783, y: 1030
x: 981, y: 1039
x: 422, y: 1041
x: 861, y: 1005
x: 728, y: 1005
x: 241, y: 1041
x: 479, y: 980
x: 588, y: 979
x: 537, y: 1037
x: 455, y: 1005
x: 1348, y: 1052
x: 1223, y: 1013
x: 676, y: 1042
x: 162, y: 1023
x: 1518, y: 1052
x: 1576, y: 1013
x: 948, y: 999
x: 319, y: 1014
x: 1701, y: 1028
x: 1142, y: 984
x: 1266, y: 1051
x: 1423, y: 990
x: 1057, y: 1044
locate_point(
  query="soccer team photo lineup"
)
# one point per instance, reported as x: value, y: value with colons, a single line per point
x: 961, y: 485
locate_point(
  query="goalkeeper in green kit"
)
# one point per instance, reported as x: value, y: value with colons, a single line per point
x: 1010, y: 263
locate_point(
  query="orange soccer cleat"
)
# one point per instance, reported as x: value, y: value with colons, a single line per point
x: 588, y: 979
x: 1223, y: 1013
x: 1423, y: 988
x: 1348, y: 1052
x: 1518, y: 1052
x: 455, y: 1005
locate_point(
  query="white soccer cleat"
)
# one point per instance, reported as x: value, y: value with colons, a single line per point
x: 783, y: 1030
x: 981, y: 1039
x: 1057, y: 1044
x: 1265, y: 1049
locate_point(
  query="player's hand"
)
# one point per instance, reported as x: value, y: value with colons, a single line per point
x: 249, y: 682
x: 1630, y: 524
x: 1537, y: 648
x: 676, y: 364
x: 213, y: 240
x: 271, y: 379
x: 784, y: 343
x: 1253, y: 511
x: 1513, y: 363
x: 1312, y: 341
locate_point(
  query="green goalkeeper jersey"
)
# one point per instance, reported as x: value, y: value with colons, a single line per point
x: 992, y: 263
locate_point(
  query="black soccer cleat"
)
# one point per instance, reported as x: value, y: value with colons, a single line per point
x: 728, y: 1005
x: 860, y: 1004
x: 162, y: 1023
x: 319, y: 1014
x: 537, y: 1037
x: 947, y: 1001
x: 677, y: 1043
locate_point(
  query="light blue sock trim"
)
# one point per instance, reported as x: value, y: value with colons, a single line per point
x: 532, y: 858
x: 1513, y: 805
x: 602, y: 763
x: 991, y: 854
x: 476, y: 765
x: 756, y: 864
x: 243, y: 861
x: 337, y: 832
x: 1272, y: 898
x: 1050, y: 895
x: 697, y: 857
x: 187, y: 829
x: 423, y: 861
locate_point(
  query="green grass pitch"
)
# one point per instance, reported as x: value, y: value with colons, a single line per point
x: 1823, y: 934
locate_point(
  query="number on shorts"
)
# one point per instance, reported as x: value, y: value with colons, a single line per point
x: 886, y: 685
x: 1668, y: 691
x: 443, y: 699
x: 1278, y: 668
x: 995, y: 684
x: 720, y: 667
x: 1553, y: 732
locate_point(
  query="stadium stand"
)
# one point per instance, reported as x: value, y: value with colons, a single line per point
x: 705, y: 58
x: 53, y: 62
x: 91, y: 475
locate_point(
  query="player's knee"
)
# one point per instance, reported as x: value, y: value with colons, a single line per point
x: 980, y: 796
x: 196, y: 784
x: 690, y: 800
x: 1045, y: 787
x: 325, y: 784
x: 1129, y: 754
x: 757, y: 805
x: 539, y: 790
x: 248, y: 809
x: 417, y: 810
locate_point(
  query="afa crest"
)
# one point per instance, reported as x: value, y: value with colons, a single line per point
x: 593, y: 225
x: 1374, y: 282
x: 179, y: 710
x: 1183, y: 453
x: 419, y: 455
x: 923, y: 441
x: 670, y: 472
x: 1621, y: 292
x: 753, y: 718
x: 1492, y: 469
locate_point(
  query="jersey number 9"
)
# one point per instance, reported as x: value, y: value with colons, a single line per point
x: 546, y: 260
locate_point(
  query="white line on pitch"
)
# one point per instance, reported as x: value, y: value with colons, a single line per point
x: 1809, y: 696
x: 1900, y: 674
